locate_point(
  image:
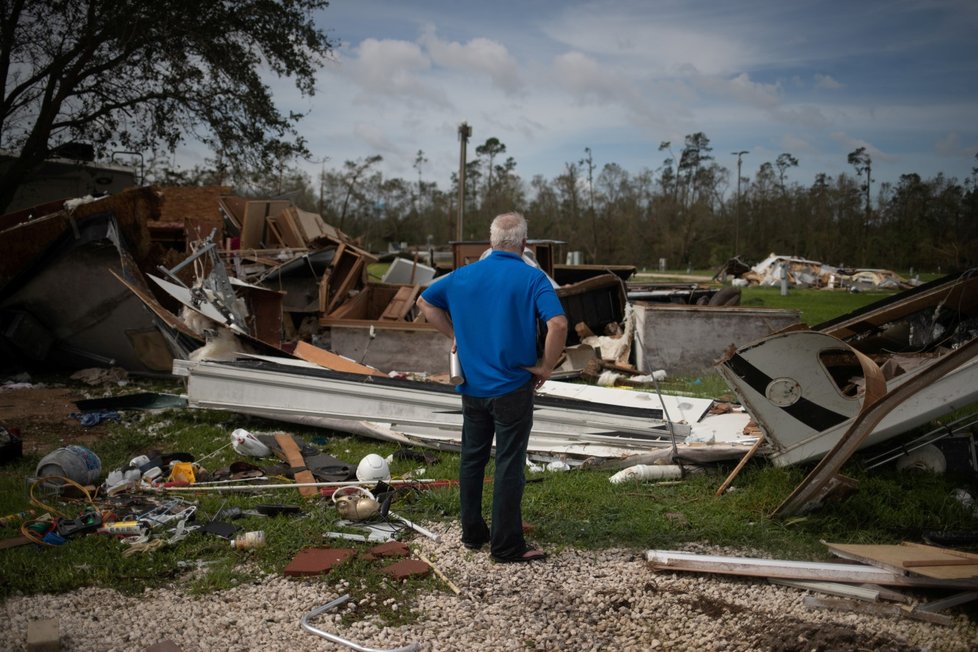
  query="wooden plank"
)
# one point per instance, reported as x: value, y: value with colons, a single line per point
x: 832, y: 588
x: 290, y: 230
x: 292, y: 455
x: 948, y: 602
x: 916, y: 563
x: 330, y: 360
x: 897, y: 557
x: 274, y: 234
x: 740, y: 465
x: 401, y: 304
x: 891, y: 595
x: 674, y: 560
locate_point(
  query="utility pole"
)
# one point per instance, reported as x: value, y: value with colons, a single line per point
x: 322, y: 182
x: 737, y: 212
x: 464, y: 133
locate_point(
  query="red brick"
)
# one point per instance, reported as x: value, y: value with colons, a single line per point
x: 406, y: 568
x: 317, y: 561
x: 389, y: 549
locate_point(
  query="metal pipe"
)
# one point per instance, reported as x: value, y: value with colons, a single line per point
x: 414, y: 526
x: 304, y: 623
x: 293, y: 485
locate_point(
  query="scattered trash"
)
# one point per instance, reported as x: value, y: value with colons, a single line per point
x: 182, y: 472
x: 13, y: 519
x: 89, y: 419
x: 355, y: 503
x: 246, y: 443
x: 373, y: 468
x: 926, y: 458
x: 966, y: 499
x: 641, y: 472
x: 249, y: 540
x: 101, y: 376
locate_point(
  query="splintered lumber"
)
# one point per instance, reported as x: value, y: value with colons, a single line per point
x: 675, y: 560
x: 292, y: 454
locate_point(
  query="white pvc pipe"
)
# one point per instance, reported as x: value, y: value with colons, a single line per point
x: 304, y: 623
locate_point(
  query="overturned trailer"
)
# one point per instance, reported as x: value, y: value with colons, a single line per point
x: 807, y: 388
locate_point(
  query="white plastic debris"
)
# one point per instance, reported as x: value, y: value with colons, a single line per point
x: 246, y: 443
x: 641, y: 472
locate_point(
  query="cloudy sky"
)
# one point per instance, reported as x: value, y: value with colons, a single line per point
x: 549, y: 78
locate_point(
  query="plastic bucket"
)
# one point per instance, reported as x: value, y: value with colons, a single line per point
x: 73, y: 462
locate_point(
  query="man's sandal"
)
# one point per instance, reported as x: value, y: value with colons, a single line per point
x: 530, y: 554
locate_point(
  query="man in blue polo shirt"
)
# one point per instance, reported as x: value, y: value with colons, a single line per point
x: 490, y: 309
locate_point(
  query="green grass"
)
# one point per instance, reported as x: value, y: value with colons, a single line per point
x: 579, y: 508
x: 815, y: 306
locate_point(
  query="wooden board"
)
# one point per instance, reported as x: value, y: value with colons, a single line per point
x: 675, y: 560
x: 290, y: 450
x: 930, y: 561
x: 401, y: 304
x: 330, y: 360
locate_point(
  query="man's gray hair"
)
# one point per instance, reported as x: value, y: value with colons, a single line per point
x: 507, y: 230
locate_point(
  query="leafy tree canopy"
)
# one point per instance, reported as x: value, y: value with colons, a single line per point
x: 133, y: 75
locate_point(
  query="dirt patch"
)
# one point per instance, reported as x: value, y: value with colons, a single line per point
x: 42, y: 414
x: 795, y: 636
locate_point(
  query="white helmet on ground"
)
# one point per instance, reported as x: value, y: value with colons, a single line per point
x: 373, y: 468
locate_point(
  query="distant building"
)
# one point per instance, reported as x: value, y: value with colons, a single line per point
x: 74, y: 175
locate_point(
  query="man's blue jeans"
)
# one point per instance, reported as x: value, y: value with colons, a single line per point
x: 510, y: 418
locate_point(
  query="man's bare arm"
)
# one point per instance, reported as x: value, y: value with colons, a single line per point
x: 437, y: 318
x: 553, y: 346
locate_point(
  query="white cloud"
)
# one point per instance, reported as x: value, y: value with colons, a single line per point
x: 951, y: 145
x: 648, y: 39
x: 392, y: 68
x: 742, y: 89
x: 479, y: 55
x: 827, y: 82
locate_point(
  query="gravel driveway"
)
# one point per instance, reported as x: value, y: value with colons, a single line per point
x: 574, y: 600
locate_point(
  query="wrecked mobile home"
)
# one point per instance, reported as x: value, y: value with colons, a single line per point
x: 291, y: 329
x: 793, y: 271
x: 258, y: 292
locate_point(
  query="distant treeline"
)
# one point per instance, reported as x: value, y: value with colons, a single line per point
x: 689, y: 211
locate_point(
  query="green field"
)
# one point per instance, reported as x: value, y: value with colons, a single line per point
x: 815, y: 306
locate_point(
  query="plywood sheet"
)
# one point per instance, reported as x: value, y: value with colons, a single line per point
x: 929, y: 561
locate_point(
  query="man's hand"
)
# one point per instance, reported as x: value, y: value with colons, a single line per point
x: 552, y: 348
x: 541, y: 373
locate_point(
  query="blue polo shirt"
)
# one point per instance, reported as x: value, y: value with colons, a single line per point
x: 494, y: 305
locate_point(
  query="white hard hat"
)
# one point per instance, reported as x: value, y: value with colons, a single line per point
x: 373, y: 468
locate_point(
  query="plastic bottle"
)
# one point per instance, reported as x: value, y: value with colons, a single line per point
x: 249, y: 540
